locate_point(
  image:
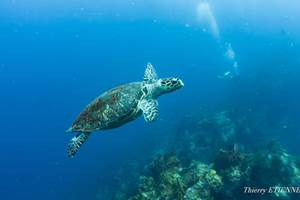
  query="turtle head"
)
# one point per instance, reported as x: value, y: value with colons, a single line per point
x: 167, y: 85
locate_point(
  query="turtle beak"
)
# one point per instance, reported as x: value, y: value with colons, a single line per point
x: 181, y: 83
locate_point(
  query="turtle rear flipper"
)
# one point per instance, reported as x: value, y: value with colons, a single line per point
x: 76, y: 142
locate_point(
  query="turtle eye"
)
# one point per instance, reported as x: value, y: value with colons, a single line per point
x: 145, y: 90
x: 174, y: 82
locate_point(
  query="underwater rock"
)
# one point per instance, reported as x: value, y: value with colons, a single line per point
x: 226, y: 127
x: 203, y: 182
x: 199, y: 137
x: 276, y: 166
x: 165, y: 182
x: 171, y: 186
x: 234, y: 167
x: 170, y: 181
x: 224, y: 179
x: 198, y: 192
x: 272, y: 167
x: 229, y: 157
x: 198, y: 171
x: 219, y: 125
x: 146, y: 189
x: 164, y: 162
x: 209, y: 163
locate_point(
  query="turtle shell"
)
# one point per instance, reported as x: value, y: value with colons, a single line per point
x: 111, y: 109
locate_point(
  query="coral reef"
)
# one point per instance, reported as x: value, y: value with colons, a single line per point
x: 170, y: 181
x: 271, y: 167
x: 202, y: 181
x: 165, y: 182
x: 275, y: 167
x: 147, y: 190
x: 225, y: 178
x: 200, y: 138
x: 209, y: 162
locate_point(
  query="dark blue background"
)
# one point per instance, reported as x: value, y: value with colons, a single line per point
x: 53, y: 64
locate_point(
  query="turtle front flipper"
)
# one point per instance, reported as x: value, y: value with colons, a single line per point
x: 150, y: 75
x: 150, y: 109
x: 76, y: 142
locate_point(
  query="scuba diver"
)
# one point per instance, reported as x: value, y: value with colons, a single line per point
x: 233, y: 72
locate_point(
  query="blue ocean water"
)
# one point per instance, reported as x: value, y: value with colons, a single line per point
x: 55, y: 57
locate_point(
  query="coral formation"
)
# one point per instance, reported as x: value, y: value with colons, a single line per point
x: 170, y: 181
x: 225, y: 178
x: 207, y: 163
x: 200, y: 138
x: 275, y: 167
x: 203, y: 181
x: 166, y: 180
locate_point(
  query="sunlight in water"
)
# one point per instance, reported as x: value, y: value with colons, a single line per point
x: 206, y: 16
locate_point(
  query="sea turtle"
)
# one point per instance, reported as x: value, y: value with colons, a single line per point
x: 120, y: 105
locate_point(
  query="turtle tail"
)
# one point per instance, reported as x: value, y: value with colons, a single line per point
x: 76, y: 142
